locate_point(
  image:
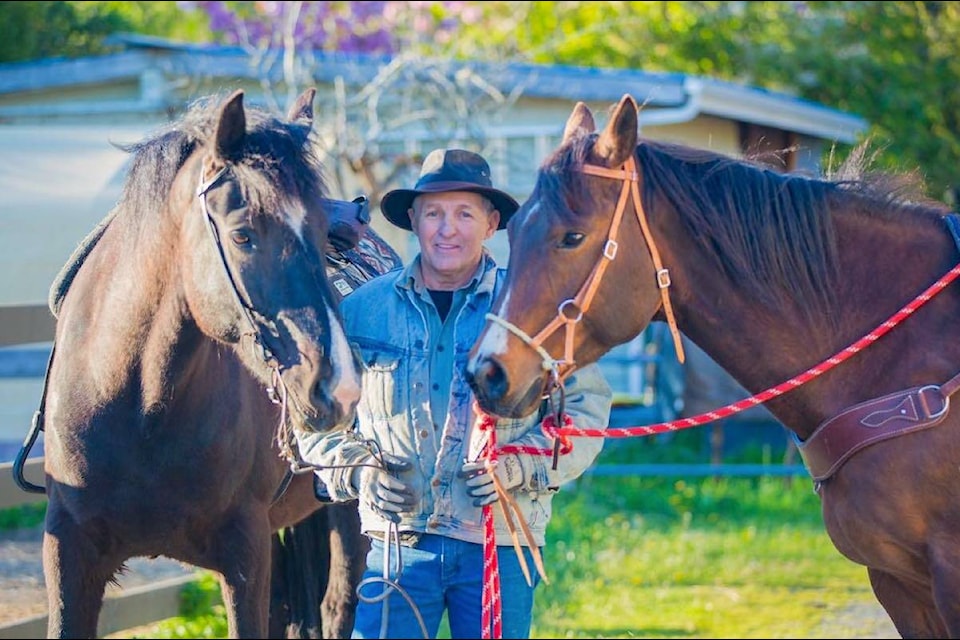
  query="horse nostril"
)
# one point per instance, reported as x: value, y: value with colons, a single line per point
x: 492, y: 379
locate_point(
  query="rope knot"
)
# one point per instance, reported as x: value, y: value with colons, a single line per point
x: 552, y: 429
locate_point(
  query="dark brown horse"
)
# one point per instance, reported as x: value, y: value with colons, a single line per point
x: 196, y: 333
x: 770, y: 275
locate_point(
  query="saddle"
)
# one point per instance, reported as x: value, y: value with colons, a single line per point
x: 355, y: 253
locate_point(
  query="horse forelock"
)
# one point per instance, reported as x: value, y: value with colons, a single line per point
x: 560, y: 180
x: 278, y: 171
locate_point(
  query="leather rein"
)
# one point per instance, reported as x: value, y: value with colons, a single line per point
x: 836, y: 439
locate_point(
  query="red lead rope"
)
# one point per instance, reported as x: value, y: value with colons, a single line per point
x: 491, y: 616
x: 782, y: 388
x: 492, y: 612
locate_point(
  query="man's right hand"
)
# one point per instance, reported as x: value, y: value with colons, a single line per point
x: 379, y: 488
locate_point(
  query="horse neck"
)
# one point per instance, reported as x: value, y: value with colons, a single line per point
x: 127, y: 312
x: 763, y: 345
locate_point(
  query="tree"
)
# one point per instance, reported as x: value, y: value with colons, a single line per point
x: 32, y: 30
x: 897, y: 64
x: 366, y: 132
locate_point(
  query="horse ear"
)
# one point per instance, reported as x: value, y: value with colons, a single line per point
x: 580, y: 122
x: 232, y: 127
x: 618, y: 141
x: 302, y: 109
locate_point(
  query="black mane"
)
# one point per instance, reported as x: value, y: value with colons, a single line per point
x: 277, y: 161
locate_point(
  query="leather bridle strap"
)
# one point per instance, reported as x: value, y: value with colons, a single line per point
x: 628, y: 173
x: 278, y: 391
x: 570, y: 311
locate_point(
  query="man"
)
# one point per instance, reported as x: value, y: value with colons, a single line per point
x: 412, y: 460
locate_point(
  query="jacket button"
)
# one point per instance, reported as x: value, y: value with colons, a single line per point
x: 436, y: 482
x: 424, y: 433
x: 432, y: 523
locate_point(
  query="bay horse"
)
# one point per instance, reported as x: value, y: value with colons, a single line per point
x: 826, y: 295
x: 196, y: 333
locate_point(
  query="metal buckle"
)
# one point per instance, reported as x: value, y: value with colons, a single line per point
x: 663, y: 278
x: 945, y: 400
x: 610, y: 249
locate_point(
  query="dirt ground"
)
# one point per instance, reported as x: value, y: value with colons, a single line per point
x: 22, y: 590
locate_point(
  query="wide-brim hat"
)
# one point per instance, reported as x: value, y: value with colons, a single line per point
x: 448, y: 170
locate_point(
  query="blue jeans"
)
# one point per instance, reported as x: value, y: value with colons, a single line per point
x: 438, y: 574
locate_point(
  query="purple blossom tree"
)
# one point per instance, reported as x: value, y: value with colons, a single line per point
x: 366, y: 131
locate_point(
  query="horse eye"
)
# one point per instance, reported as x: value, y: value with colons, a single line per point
x: 572, y: 239
x: 240, y: 237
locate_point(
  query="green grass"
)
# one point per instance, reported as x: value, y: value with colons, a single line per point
x: 631, y: 557
x: 23, y: 517
x: 657, y: 557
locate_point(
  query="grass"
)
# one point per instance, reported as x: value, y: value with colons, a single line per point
x: 659, y: 557
x: 633, y: 557
x: 655, y: 557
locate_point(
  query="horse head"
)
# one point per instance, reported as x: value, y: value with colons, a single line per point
x: 257, y: 227
x: 577, y: 247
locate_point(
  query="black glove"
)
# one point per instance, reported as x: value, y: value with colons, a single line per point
x: 480, y: 483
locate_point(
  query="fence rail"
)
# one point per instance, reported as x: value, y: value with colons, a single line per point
x: 128, y: 609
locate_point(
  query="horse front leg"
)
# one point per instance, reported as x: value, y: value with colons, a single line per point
x: 243, y: 553
x: 945, y: 569
x: 348, y: 559
x: 909, y: 605
x: 76, y: 575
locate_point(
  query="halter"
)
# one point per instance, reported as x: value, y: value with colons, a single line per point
x: 570, y: 312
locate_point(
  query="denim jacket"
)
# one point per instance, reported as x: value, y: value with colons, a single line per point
x: 386, y: 324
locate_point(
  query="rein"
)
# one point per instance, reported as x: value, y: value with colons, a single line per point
x: 570, y: 312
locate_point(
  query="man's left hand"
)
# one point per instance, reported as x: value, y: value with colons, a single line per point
x: 480, y: 484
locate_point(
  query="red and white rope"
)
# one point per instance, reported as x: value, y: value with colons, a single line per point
x: 780, y: 389
x: 491, y: 616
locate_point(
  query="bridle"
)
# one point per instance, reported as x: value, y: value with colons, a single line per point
x: 277, y: 391
x: 570, y: 312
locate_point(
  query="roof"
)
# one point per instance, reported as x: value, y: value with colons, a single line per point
x: 666, y: 97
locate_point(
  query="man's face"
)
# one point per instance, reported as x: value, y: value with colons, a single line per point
x: 451, y: 228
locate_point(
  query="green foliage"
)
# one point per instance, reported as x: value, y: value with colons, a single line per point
x: 203, y: 614
x: 23, y: 517
x: 897, y: 64
x: 34, y: 30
